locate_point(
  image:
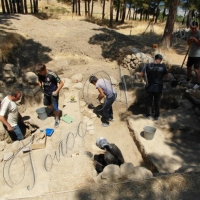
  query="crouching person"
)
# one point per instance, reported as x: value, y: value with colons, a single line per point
x: 112, y: 155
x: 10, y: 117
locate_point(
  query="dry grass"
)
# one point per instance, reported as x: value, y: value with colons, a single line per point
x: 9, y: 42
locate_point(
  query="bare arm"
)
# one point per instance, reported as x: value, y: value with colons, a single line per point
x: 193, y: 39
x: 4, y: 121
x: 60, y: 85
x: 40, y: 83
x: 141, y: 74
x: 101, y: 94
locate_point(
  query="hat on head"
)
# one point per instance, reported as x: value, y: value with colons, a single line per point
x: 158, y: 57
x: 102, y: 142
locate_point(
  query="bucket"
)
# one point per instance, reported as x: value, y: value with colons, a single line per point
x: 149, y: 132
x: 42, y: 113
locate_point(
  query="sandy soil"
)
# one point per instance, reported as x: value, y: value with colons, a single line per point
x: 74, y: 45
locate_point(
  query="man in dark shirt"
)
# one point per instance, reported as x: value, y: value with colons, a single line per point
x: 51, y: 84
x: 112, y: 155
x: 154, y: 73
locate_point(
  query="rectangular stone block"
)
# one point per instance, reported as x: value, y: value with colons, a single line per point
x: 39, y: 141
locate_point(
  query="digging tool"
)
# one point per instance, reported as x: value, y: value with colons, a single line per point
x: 174, y: 83
x: 184, y: 59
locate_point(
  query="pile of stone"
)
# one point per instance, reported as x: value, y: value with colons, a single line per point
x: 127, y: 171
x: 135, y: 61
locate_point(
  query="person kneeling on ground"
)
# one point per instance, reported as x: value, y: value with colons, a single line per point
x: 51, y: 84
x: 112, y: 155
x: 10, y: 117
x: 154, y: 73
x: 105, y: 89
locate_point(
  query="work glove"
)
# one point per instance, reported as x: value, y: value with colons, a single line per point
x: 55, y: 93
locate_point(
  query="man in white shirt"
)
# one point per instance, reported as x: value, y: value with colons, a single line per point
x: 9, y: 115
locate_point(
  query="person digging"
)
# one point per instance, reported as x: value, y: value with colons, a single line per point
x: 112, y: 155
x: 105, y: 89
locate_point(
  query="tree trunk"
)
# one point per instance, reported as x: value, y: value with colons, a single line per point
x: 18, y: 6
x: 10, y: 3
x: 21, y: 7
x: 92, y: 7
x: 88, y: 7
x: 3, y: 6
x: 157, y: 15
x: 167, y: 36
x: 25, y: 6
x: 73, y: 6
x: 103, y: 11
x: 163, y: 14
x: 79, y: 7
x: 85, y: 7
x: 14, y: 6
x: 7, y: 6
x: 117, y: 13
x: 111, y: 14
x: 31, y: 4
x: 123, y: 12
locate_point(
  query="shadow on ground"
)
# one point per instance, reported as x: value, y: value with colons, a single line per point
x: 178, y: 186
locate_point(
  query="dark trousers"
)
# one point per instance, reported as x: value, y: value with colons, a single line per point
x: 107, y: 109
x: 156, y: 97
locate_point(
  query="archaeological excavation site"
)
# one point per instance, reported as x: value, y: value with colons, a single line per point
x: 155, y: 158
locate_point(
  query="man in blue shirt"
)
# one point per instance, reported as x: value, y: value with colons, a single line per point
x: 154, y: 73
x: 51, y: 84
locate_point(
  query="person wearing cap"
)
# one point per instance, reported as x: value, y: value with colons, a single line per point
x: 105, y: 89
x: 194, y: 53
x: 154, y: 73
x: 112, y: 155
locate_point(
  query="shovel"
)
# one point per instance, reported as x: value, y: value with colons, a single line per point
x: 174, y: 83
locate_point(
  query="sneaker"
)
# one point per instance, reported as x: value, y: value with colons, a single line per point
x: 105, y: 124
x: 111, y: 119
x: 57, y: 122
x: 196, y: 86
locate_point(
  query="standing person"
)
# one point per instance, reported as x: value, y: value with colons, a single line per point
x: 10, y: 116
x: 154, y: 73
x: 194, y: 52
x: 105, y: 89
x: 112, y: 155
x: 51, y: 84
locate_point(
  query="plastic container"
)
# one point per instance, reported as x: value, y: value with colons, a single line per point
x: 49, y: 131
x: 42, y: 113
x: 149, y: 132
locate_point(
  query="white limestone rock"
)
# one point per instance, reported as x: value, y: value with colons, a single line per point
x: 2, y: 145
x: 78, y: 86
x: 67, y: 83
x: 82, y: 103
x: 127, y: 168
x: 112, y: 173
x: 140, y: 173
x: 7, y: 155
x: 16, y: 145
x: 30, y: 78
x: 113, y: 80
x: 77, y: 78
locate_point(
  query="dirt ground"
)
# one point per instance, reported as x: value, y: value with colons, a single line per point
x: 71, y: 45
